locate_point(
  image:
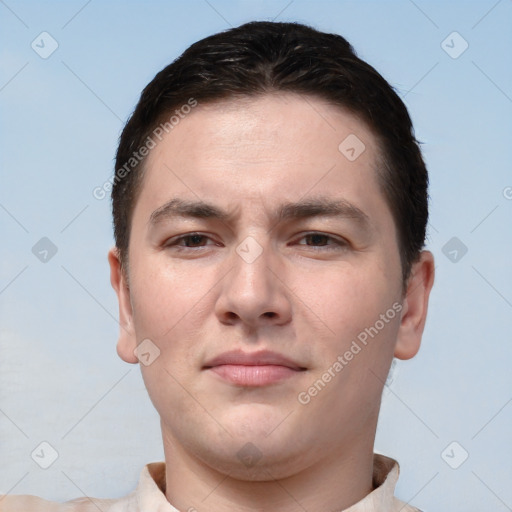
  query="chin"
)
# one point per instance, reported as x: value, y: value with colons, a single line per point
x: 255, y: 421
x: 249, y: 461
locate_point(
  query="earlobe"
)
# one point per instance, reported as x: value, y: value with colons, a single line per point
x: 415, y: 307
x: 127, y: 341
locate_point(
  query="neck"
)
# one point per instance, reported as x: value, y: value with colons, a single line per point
x: 334, y: 482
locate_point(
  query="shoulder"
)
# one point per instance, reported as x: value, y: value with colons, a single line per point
x: 25, y: 503
x: 385, y: 477
x: 152, y: 476
x: 404, y: 507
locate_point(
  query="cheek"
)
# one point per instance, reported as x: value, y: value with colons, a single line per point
x: 360, y: 310
x: 348, y: 299
x: 350, y: 302
x: 167, y: 309
x: 168, y: 299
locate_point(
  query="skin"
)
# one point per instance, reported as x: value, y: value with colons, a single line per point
x: 304, y: 297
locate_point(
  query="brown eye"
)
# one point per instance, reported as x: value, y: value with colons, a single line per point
x: 317, y: 239
x: 321, y: 240
x: 193, y: 240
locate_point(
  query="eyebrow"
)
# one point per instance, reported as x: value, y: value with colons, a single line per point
x: 182, y: 208
x: 323, y: 207
x: 315, y: 207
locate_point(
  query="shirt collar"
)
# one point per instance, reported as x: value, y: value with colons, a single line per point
x: 151, y: 488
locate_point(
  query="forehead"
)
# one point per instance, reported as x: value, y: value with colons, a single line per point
x: 277, y: 120
x: 278, y: 147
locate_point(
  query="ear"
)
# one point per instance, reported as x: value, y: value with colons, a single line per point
x: 127, y: 341
x: 415, y: 305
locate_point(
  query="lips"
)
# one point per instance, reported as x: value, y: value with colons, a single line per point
x: 238, y: 357
x: 253, y: 369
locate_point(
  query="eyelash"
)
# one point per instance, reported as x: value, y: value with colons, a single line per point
x: 336, y: 245
x: 175, y: 242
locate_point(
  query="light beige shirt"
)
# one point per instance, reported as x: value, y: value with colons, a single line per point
x: 149, y: 496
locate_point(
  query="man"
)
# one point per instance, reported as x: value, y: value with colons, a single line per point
x: 270, y: 206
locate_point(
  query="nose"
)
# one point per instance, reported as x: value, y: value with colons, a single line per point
x: 251, y: 294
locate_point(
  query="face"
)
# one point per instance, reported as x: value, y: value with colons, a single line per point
x: 264, y: 268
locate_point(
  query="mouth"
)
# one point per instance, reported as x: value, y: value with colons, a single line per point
x: 253, y: 369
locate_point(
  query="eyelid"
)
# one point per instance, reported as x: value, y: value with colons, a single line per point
x: 174, y: 241
x: 338, y: 241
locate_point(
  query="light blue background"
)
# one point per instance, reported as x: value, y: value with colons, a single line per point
x: 60, y: 378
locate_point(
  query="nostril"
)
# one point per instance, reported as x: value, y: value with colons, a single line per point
x: 269, y: 314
